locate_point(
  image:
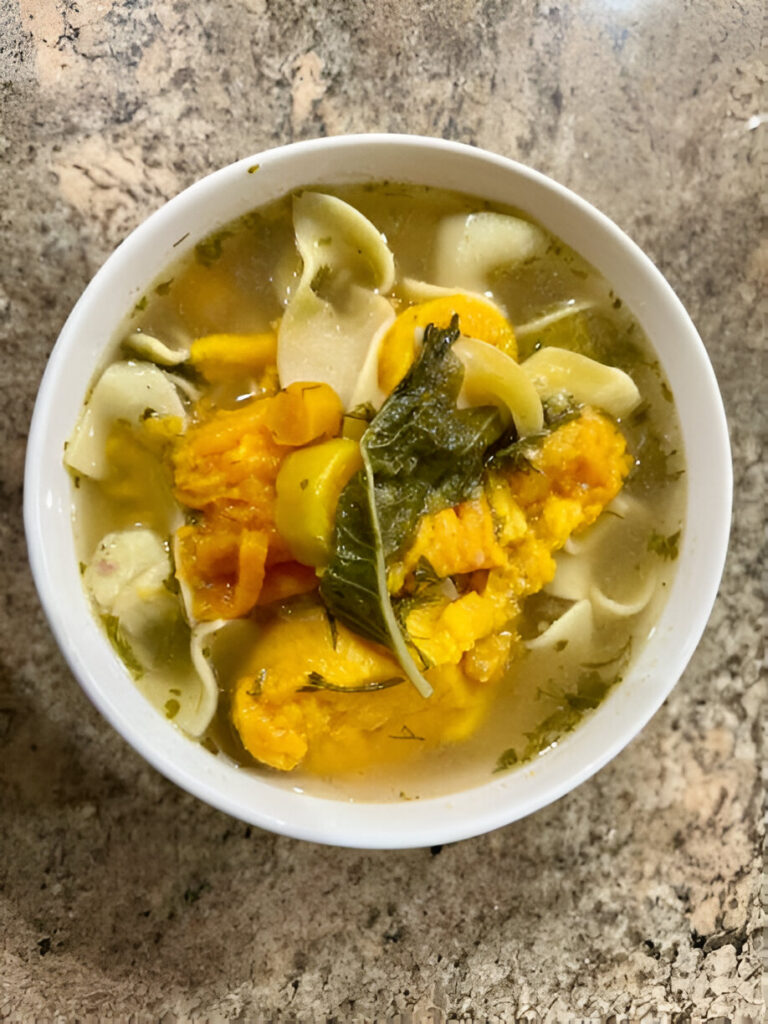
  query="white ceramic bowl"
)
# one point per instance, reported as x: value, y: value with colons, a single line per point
x: 192, y: 215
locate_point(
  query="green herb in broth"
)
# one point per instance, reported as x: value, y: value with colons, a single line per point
x: 664, y: 547
x: 172, y: 708
x: 317, y: 682
x: 210, y: 250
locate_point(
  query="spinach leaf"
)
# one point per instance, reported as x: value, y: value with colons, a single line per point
x: 426, y: 454
x: 420, y: 454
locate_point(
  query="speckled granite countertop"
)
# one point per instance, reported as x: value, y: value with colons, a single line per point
x: 635, y: 897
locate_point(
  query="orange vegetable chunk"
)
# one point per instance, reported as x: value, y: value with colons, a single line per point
x: 304, y: 412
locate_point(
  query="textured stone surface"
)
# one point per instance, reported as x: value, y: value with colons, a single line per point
x: 637, y: 896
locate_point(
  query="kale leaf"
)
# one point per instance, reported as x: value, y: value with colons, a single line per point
x: 421, y: 453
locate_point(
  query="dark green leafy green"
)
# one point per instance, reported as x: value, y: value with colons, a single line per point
x: 421, y: 453
x: 426, y: 454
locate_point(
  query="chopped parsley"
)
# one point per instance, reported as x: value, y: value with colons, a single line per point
x: 210, y: 250
x: 506, y: 760
x: 171, y: 708
x: 665, y: 547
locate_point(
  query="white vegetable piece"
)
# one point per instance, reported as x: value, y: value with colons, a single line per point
x: 493, y: 377
x: 123, y: 392
x: 328, y: 339
x: 470, y: 247
x: 556, y: 371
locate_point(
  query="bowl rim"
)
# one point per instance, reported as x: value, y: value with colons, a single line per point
x: 380, y: 825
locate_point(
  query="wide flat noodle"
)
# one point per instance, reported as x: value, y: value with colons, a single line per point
x: 367, y: 390
x: 491, y: 377
x: 469, y: 248
x: 156, y: 351
x: 417, y: 291
x: 573, y: 578
x: 562, y: 312
x: 626, y: 608
x: 125, y: 391
x: 556, y: 371
x: 593, y: 537
x: 327, y: 338
x: 208, y: 692
x: 573, y: 628
x: 578, y: 571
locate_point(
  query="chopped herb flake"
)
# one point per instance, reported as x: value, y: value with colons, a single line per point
x: 171, y: 584
x: 171, y: 708
x: 315, y: 681
x: 506, y: 760
x: 333, y: 629
x: 665, y: 547
x: 210, y: 250
x: 590, y: 691
x: 406, y: 733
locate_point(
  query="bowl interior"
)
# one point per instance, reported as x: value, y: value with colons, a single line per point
x: 173, y: 230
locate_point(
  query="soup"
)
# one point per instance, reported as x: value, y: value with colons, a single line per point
x: 379, y: 491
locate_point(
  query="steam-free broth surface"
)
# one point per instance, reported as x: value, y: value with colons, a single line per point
x: 241, y: 281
